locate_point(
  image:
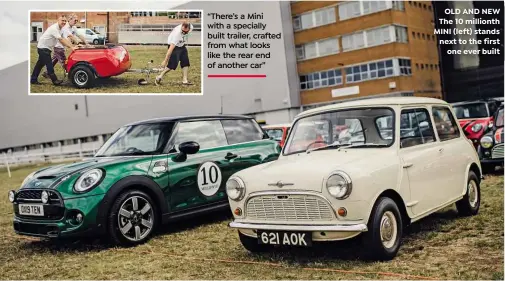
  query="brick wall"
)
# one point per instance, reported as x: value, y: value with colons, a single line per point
x: 422, y: 49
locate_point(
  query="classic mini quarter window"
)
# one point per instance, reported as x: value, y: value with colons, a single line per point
x: 206, y: 133
x: 445, y: 123
x: 415, y: 128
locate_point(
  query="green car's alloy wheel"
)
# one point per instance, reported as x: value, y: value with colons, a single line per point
x: 133, y: 218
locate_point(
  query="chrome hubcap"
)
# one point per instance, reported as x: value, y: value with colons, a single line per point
x: 388, y: 229
x: 135, y: 218
x: 81, y: 77
x: 473, y: 195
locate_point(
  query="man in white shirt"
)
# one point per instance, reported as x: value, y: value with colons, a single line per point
x: 177, y: 52
x: 46, y: 43
x: 68, y: 31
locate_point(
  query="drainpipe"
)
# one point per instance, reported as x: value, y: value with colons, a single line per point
x: 107, y: 31
x: 85, y: 19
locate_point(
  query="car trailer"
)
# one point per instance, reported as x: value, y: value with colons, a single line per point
x: 89, y: 63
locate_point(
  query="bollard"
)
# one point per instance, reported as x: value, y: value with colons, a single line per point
x: 7, y: 165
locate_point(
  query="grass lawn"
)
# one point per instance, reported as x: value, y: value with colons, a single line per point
x: 443, y: 246
x: 127, y: 82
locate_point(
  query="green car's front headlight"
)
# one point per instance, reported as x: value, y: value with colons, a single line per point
x: 88, y: 180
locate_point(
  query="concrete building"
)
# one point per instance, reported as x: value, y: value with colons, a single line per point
x: 42, y: 123
x: 360, y: 49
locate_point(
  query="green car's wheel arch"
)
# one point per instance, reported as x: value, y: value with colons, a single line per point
x: 133, y: 218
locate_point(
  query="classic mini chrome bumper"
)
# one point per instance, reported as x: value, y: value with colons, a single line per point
x: 284, y: 227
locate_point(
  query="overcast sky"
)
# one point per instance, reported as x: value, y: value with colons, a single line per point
x: 15, y: 27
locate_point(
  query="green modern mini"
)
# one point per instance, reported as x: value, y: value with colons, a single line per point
x: 148, y: 173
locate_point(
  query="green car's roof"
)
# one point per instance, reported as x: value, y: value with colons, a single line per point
x: 189, y: 117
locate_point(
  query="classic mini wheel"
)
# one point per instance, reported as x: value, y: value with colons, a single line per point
x: 95, y: 42
x: 132, y: 218
x: 251, y: 244
x: 385, y: 228
x: 470, y: 203
x: 82, y: 77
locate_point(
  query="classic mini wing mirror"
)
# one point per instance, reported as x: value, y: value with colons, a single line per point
x: 185, y: 148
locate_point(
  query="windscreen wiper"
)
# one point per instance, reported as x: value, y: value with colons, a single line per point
x: 333, y: 145
x: 362, y: 145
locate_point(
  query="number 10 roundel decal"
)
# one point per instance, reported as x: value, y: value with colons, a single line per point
x: 209, y: 178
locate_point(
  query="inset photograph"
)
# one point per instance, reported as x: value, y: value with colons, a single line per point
x: 115, y: 52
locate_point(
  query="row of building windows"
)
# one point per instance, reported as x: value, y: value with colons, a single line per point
x: 423, y: 36
x: 346, y: 10
x: 356, y: 73
x: 354, y: 41
x: 426, y: 66
x: 420, y: 5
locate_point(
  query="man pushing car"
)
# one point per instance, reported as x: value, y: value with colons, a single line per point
x: 177, y: 52
x: 68, y: 31
x: 47, y: 42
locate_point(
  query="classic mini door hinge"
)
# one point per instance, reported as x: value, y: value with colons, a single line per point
x: 410, y: 204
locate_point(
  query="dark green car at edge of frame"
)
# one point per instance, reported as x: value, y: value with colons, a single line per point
x: 146, y: 174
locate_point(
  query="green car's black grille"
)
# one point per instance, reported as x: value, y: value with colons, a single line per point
x: 53, y: 209
x: 35, y: 196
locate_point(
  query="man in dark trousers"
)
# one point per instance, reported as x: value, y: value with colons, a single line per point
x: 177, y: 52
x: 46, y: 44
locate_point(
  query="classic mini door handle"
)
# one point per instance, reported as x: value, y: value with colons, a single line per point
x: 230, y: 155
x: 407, y: 165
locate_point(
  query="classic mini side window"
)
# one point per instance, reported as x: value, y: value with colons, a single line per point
x: 241, y: 130
x: 415, y: 128
x: 385, y: 127
x: 445, y: 123
x: 207, y: 134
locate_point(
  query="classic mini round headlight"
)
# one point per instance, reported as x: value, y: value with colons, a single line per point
x: 12, y: 196
x: 486, y: 141
x: 476, y: 128
x: 44, y: 196
x: 88, y: 180
x: 339, y: 185
x: 235, y: 188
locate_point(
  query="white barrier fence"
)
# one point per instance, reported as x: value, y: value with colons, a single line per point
x: 49, y: 155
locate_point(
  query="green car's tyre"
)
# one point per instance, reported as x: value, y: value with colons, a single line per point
x: 385, y: 229
x: 251, y: 244
x: 132, y: 218
x: 470, y: 203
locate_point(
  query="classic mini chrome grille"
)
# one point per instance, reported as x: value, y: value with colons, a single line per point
x: 288, y: 207
x: 497, y: 151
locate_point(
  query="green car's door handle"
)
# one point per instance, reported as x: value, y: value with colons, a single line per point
x: 230, y: 155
